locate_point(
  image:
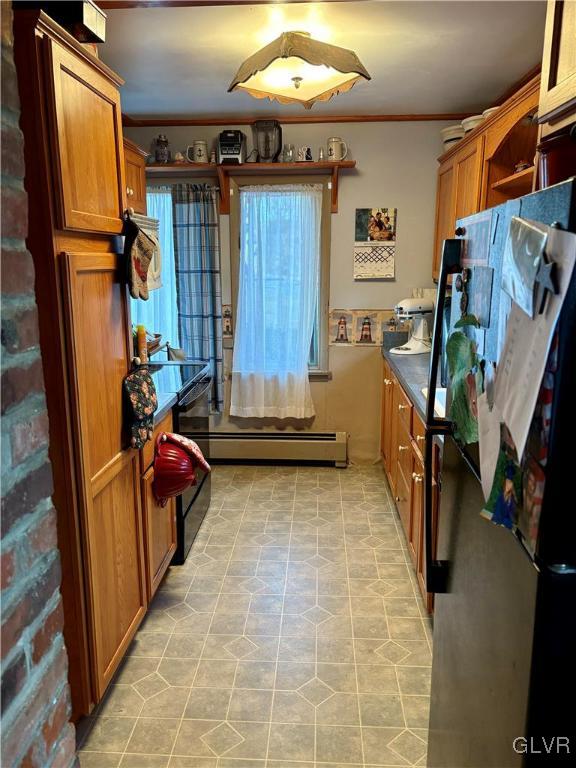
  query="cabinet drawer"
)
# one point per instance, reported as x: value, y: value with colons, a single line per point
x: 418, y: 432
x: 404, y: 450
x: 147, y: 453
x: 404, y: 410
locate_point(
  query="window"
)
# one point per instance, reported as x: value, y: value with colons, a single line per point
x: 278, y: 237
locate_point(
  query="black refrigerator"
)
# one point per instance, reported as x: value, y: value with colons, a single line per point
x: 504, y: 640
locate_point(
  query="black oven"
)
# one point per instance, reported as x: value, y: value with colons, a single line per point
x: 191, y: 418
x: 191, y: 381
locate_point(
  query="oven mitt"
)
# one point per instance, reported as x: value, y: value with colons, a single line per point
x: 139, y: 250
x: 141, y: 402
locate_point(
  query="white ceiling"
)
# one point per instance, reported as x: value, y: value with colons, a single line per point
x: 424, y: 57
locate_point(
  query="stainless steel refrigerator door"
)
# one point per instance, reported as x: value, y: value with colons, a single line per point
x: 483, y: 631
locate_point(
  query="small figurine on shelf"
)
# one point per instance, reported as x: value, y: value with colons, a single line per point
x: 179, y: 157
x: 161, y: 150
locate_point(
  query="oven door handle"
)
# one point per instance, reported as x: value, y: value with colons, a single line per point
x: 195, y: 393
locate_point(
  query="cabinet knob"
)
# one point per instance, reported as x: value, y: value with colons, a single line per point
x: 417, y: 478
x: 402, y: 448
x: 420, y: 438
x: 387, y: 382
x: 402, y: 407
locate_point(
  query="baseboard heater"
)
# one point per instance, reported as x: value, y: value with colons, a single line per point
x: 326, y: 447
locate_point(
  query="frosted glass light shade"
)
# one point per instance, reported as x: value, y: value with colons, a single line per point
x: 295, y: 68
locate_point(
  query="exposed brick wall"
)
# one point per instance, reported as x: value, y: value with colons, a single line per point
x: 34, y: 687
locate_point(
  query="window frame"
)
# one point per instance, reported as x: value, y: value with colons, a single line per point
x: 321, y: 371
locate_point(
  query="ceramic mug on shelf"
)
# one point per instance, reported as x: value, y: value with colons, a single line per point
x: 337, y: 149
x: 304, y: 154
x: 197, y: 152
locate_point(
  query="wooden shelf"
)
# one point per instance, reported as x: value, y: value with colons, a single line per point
x: 224, y: 172
x: 517, y: 184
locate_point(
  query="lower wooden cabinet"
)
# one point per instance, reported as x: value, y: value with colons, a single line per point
x: 159, y: 533
x: 159, y: 522
x: 402, y: 447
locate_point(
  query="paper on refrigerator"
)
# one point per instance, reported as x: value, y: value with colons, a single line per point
x: 489, y: 441
x: 527, y: 343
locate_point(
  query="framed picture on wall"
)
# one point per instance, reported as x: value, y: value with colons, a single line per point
x: 375, y: 243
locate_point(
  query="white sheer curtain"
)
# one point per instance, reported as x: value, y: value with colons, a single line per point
x: 160, y: 313
x: 277, y: 300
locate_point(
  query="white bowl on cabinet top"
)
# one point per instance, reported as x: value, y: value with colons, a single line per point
x: 469, y: 123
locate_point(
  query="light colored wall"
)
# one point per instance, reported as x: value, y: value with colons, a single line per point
x: 396, y: 167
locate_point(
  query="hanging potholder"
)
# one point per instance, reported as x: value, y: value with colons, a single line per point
x: 141, y: 401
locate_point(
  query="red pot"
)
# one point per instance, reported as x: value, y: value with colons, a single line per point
x: 174, y: 471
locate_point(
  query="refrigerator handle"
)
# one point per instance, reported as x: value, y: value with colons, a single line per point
x: 451, y: 264
x: 436, y: 570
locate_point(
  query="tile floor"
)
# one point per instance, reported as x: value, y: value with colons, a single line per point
x: 294, y: 636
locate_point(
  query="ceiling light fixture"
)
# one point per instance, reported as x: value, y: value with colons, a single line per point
x: 296, y: 69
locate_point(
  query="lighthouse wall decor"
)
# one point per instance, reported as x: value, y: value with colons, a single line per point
x: 357, y: 327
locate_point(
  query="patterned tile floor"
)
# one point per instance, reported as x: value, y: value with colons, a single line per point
x: 294, y: 636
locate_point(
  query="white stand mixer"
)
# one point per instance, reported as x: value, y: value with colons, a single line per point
x: 414, y: 310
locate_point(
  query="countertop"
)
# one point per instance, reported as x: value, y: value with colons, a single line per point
x: 412, y: 372
x: 166, y: 401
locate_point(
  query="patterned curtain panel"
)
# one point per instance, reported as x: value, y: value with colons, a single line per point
x: 197, y: 256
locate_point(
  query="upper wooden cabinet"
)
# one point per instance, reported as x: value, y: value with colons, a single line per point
x: 87, y: 138
x: 135, y: 174
x: 480, y: 170
x: 558, y: 87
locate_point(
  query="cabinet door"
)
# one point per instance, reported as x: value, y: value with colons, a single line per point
x: 558, y: 84
x: 109, y: 477
x: 87, y: 131
x: 386, y: 432
x: 395, y: 387
x: 404, y: 499
x: 467, y: 180
x: 160, y: 533
x: 417, y: 515
x: 134, y: 163
x: 444, y: 213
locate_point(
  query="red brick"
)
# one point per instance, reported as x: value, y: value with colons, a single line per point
x: 12, y: 154
x: 29, y: 718
x: 65, y: 752
x: 9, y: 83
x: 51, y: 625
x: 20, y: 332
x: 18, y: 382
x: 29, y: 436
x: 13, y: 678
x: 7, y: 568
x: 25, y: 496
x: 29, y: 607
x: 43, y: 537
x: 14, y: 212
x: 17, y: 272
x: 57, y: 720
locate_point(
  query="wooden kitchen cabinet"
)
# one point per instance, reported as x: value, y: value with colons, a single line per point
x: 388, y: 381
x: 87, y: 137
x: 557, y: 104
x: 444, y: 212
x: 159, y: 522
x: 402, y: 449
x: 479, y: 171
x: 135, y: 174
x: 70, y: 118
x: 160, y: 533
x: 109, y: 473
